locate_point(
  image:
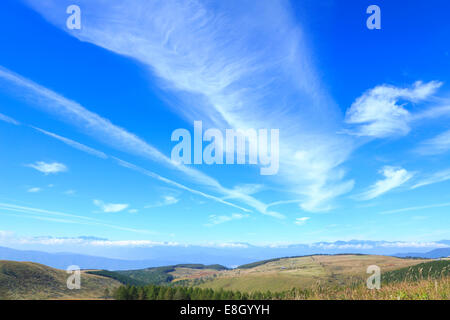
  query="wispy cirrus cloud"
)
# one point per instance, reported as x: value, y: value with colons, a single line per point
x: 110, y: 207
x: 98, y: 127
x: 440, y: 176
x: 106, y: 132
x: 34, y: 190
x: 180, y: 186
x: 47, y: 167
x: 128, y: 165
x: 393, y: 178
x: 166, y: 201
x: 437, y: 145
x: 209, y: 54
x: 8, y: 119
x: 380, y: 112
x: 62, y: 217
x: 301, y: 221
x: 74, y: 144
x: 219, y: 219
x: 416, y: 208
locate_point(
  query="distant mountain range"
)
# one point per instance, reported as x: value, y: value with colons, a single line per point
x: 127, y: 258
x: 433, y: 254
x: 63, y: 260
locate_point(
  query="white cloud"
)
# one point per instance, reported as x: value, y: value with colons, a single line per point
x: 301, y: 221
x: 102, y: 129
x: 246, y: 189
x: 154, y: 175
x: 333, y: 246
x: 207, y: 55
x: 167, y: 201
x: 8, y: 119
x: 8, y: 237
x: 418, y: 208
x: 81, y: 241
x: 439, y: 111
x: 70, y: 192
x: 110, y: 207
x: 133, y: 211
x: 48, y: 168
x: 414, y: 244
x: 5, y: 235
x: 215, y: 219
x: 380, y: 112
x: 394, y: 177
x: 170, y: 200
x: 62, y: 217
x: 131, y: 243
x: 34, y: 190
x: 437, y: 177
x: 282, y: 202
x: 437, y: 145
x: 74, y: 144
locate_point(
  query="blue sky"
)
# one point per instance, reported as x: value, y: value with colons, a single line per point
x: 86, y: 118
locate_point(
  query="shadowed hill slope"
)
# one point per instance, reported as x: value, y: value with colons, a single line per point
x: 28, y: 280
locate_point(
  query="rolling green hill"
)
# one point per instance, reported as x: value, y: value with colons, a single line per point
x: 422, y: 271
x: 282, y: 274
x: 339, y: 277
x: 27, y: 280
x: 321, y: 277
x: 166, y: 274
x: 123, y: 279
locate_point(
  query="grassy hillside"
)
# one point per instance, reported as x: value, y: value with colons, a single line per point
x: 123, y: 279
x: 422, y: 271
x: 166, y: 274
x: 27, y: 280
x: 311, y: 277
x: 416, y: 290
x: 279, y: 275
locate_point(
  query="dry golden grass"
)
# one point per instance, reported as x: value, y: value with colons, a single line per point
x: 33, y: 281
x: 304, y: 272
x: 357, y: 264
x: 420, y: 290
x: 189, y: 273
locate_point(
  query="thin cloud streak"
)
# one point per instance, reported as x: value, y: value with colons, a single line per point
x: 103, y: 130
x: 437, y: 177
x: 93, y: 124
x: 437, y: 145
x: 74, y: 144
x: 87, y: 220
x: 10, y: 120
x: 216, y: 220
x: 122, y: 163
x: 209, y: 53
x: 175, y: 184
x: 167, y: 201
x: 439, y: 205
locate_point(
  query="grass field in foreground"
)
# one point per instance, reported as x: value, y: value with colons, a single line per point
x: 438, y: 289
